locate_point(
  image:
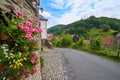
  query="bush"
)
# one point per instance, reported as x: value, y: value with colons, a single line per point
x: 58, y: 43
x: 54, y: 41
x: 66, y: 41
x: 96, y: 44
x: 80, y: 44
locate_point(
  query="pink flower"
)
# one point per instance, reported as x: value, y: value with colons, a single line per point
x: 26, y: 29
x: 34, y: 69
x: 28, y: 71
x: 33, y: 30
x: 19, y: 13
x: 32, y: 60
x: 28, y: 35
x: 35, y: 20
x: 27, y: 75
x: 36, y: 56
x: 28, y: 23
x: 38, y: 29
x: 30, y: 30
x: 21, y: 26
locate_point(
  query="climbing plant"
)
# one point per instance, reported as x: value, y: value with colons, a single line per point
x: 18, y: 58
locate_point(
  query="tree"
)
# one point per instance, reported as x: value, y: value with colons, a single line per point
x: 105, y: 28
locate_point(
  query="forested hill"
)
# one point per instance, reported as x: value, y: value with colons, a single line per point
x: 56, y: 29
x: 91, y: 25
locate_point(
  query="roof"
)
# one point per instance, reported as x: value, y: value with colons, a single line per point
x: 107, y: 41
x: 50, y: 36
x: 42, y: 18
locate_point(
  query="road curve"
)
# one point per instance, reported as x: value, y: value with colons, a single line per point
x: 90, y: 67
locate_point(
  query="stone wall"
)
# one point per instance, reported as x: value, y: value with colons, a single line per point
x: 29, y: 7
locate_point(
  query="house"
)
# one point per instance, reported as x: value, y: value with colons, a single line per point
x: 75, y: 38
x: 107, y: 42
x: 44, y: 36
x: 87, y: 41
x: 50, y: 37
x: 117, y: 39
x: 43, y: 25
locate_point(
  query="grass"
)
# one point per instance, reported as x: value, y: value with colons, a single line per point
x: 98, y: 32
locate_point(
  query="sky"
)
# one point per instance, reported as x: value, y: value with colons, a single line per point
x: 68, y: 11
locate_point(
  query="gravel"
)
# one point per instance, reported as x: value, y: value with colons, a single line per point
x: 53, y: 68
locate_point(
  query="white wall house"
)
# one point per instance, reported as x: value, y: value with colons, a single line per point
x: 43, y: 25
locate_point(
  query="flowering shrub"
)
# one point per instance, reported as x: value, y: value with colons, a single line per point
x: 17, y: 47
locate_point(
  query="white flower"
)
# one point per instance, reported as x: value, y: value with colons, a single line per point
x: 6, y: 56
x: 11, y: 54
x: 6, y: 49
x: 3, y: 47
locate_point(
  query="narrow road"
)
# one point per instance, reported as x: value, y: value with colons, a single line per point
x: 90, y: 67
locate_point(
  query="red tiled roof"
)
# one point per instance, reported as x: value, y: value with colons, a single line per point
x: 49, y: 36
x: 107, y: 41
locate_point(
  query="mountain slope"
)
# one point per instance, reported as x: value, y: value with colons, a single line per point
x: 84, y: 27
x: 56, y: 29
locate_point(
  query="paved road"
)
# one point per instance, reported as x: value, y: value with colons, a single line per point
x: 90, y: 67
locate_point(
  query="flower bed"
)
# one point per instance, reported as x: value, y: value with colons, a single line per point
x: 17, y: 47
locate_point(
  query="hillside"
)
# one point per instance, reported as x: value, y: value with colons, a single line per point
x: 57, y: 29
x: 88, y: 27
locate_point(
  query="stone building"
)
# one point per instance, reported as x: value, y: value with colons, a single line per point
x: 117, y: 39
x: 117, y: 44
x: 28, y: 7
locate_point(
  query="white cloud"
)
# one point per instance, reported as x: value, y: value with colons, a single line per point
x: 108, y: 8
x: 79, y: 10
x: 45, y: 13
x: 83, y: 9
